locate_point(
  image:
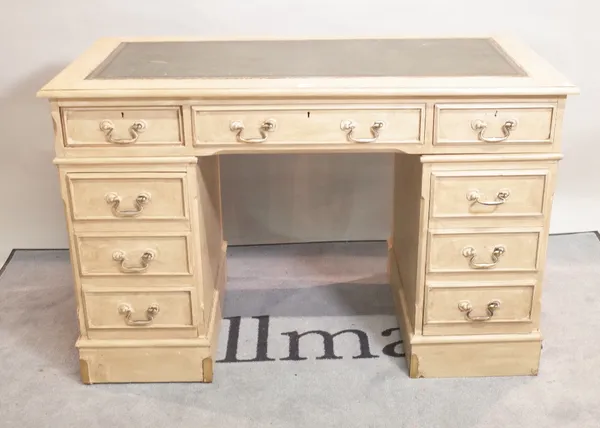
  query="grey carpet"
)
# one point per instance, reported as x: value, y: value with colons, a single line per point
x: 300, y: 288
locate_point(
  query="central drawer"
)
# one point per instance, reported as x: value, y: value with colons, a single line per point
x: 309, y: 125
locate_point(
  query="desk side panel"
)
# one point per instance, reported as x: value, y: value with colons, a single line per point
x: 207, y: 196
x: 409, y: 231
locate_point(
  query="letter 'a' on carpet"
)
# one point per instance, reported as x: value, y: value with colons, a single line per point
x: 310, y: 340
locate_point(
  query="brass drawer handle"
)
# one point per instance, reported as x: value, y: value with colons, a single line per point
x: 480, y: 126
x: 465, y: 306
x: 115, y: 200
x: 127, y: 310
x: 475, y: 197
x: 268, y: 125
x: 471, y: 254
x: 348, y: 126
x: 135, y: 129
x: 147, y: 257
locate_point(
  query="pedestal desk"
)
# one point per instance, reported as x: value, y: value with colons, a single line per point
x: 473, y: 124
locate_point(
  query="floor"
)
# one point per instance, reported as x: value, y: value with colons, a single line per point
x: 271, y: 374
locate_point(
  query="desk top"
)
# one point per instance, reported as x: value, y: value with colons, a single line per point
x: 309, y: 67
x: 306, y: 58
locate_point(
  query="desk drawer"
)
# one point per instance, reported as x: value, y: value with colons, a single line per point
x: 489, y: 193
x: 122, y: 127
x: 478, y: 310
x: 128, y: 196
x: 308, y: 125
x: 480, y: 252
x: 133, y: 255
x: 148, y: 313
x: 494, y: 124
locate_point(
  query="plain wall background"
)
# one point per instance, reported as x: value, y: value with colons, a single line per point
x: 280, y: 198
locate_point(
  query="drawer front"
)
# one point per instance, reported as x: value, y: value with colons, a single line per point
x: 494, y: 124
x: 141, y: 311
x: 472, y: 194
x: 133, y: 255
x: 122, y: 127
x: 478, y: 310
x: 127, y: 196
x: 389, y: 124
x: 479, y: 252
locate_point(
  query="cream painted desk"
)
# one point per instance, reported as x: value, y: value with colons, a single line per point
x: 474, y: 126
